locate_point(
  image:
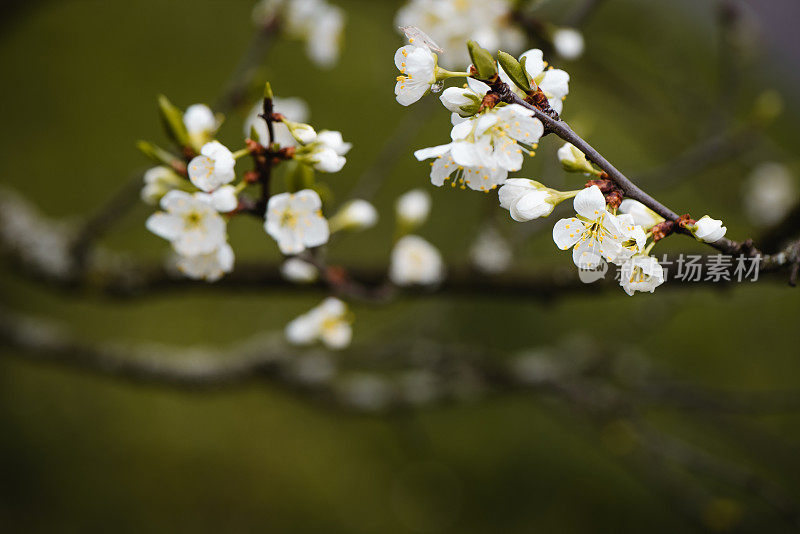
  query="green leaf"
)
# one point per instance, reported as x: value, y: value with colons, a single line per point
x: 173, y: 121
x: 156, y: 153
x: 514, y: 69
x: 483, y: 61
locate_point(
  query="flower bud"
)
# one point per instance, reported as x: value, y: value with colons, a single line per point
x: 642, y: 215
x: 157, y: 182
x: 299, y: 271
x: 526, y: 199
x: 573, y: 160
x: 709, y: 230
x: 325, y: 159
x: 413, y: 208
x: 460, y: 100
x: 355, y: 215
x: 303, y: 133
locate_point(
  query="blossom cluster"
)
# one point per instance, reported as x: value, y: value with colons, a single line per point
x: 493, y: 133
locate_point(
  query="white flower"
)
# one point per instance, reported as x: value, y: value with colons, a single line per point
x: 157, y: 182
x: 413, y: 207
x: 295, y: 221
x: 223, y: 199
x: 568, y: 43
x: 641, y: 273
x: 200, y: 123
x: 209, y: 267
x: 709, y: 230
x: 303, y: 133
x: 633, y: 239
x: 490, y: 253
x: 329, y: 322
x: 299, y: 271
x: 415, y: 261
x: 355, y: 215
x: 417, y: 66
x: 642, y: 215
x: 325, y: 159
x: 554, y: 83
x: 190, y: 222
x: 526, y: 199
x: 213, y: 168
x: 770, y: 193
x: 453, y: 22
x: 595, y: 233
x: 573, y: 160
x: 485, y: 147
x: 333, y: 139
x: 294, y: 109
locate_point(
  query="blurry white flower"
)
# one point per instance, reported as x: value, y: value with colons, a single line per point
x: 526, y: 199
x: 213, y: 168
x: 642, y: 215
x: 190, y: 222
x: 641, y: 273
x: 209, y: 267
x: 770, y: 193
x: 329, y: 322
x: 709, y: 230
x: 299, y: 271
x: 415, y: 261
x: 490, y: 253
x: 417, y: 66
x: 413, y: 207
x: 451, y: 23
x: 568, y: 43
x: 573, y: 160
x: 595, y: 235
x: 223, y: 199
x: 355, y: 215
x: 333, y: 139
x: 157, y: 182
x: 554, y: 83
x: 295, y: 221
x: 201, y: 123
x: 294, y: 109
x: 316, y: 22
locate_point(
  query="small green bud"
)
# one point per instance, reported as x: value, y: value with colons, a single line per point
x: 172, y: 118
x: 268, y: 91
x: 483, y: 61
x: 514, y: 70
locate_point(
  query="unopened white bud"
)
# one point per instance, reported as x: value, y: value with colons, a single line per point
x: 413, y: 207
x: 355, y: 215
x: 709, y: 230
x: 568, y: 43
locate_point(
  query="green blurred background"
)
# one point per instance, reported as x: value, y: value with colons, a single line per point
x: 81, y: 453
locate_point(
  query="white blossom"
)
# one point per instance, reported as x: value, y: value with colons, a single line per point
x: 325, y: 151
x: 417, y: 66
x: 709, y: 230
x: 769, y: 193
x: 223, y: 199
x: 357, y: 214
x: 299, y: 271
x: 316, y: 22
x: 295, y: 221
x: 329, y: 323
x: 413, y: 207
x: 190, y: 222
x: 294, y: 109
x: 526, y: 199
x: 157, y: 182
x: 568, y: 43
x: 213, y: 167
x: 485, y: 147
x: 490, y: 253
x: 641, y: 273
x: 414, y: 261
x: 594, y: 233
x: 200, y: 123
x: 573, y: 160
x: 325, y: 159
x: 209, y: 267
x: 554, y: 83
x: 333, y: 140
x: 642, y: 215
x: 453, y: 22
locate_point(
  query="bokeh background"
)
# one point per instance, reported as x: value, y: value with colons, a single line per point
x: 84, y: 453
